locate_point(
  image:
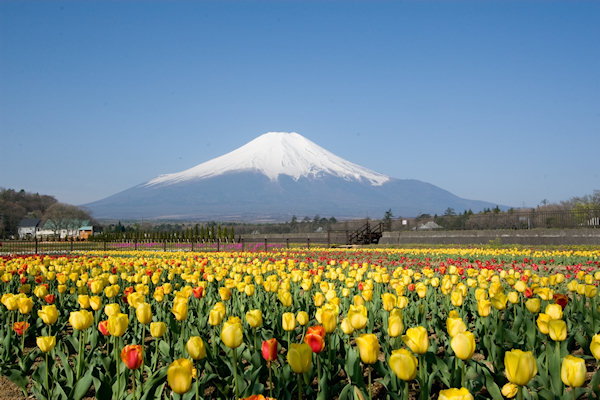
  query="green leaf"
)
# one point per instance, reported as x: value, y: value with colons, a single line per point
x: 83, y: 385
x: 492, y: 387
x: 17, y: 377
x: 346, y: 392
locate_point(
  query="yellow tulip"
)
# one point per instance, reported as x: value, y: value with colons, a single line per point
x: 117, y: 324
x: 254, y: 318
x: 302, y: 318
x: 46, y: 343
x: 157, y: 329
x: 557, y: 329
x: 84, y: 301
x: 179, y: 375
x: 10, y: 301
x: 555, y: 311
x: 455, y: 394
x: 358, y: 316
x: 421, y: 290
x: 143, y: 312
x: 249, y: 290
x: 389, y: 301
x: 404, y: 364
x: 81, y: 320
x: 595, y: 346
x: 513, y: 297
x: 454, y: 326
x: 318, y: 299
x: 231, y: 334
x: 95, y: 303
x: 299, y: 357
x: 395, y: 326
x: 402, y: 302
x: 180, y: 308
x: 591, y: 291
x: 215, y: 317
x: 542, y: 322
x: 463, y: 345
x: 533, y: 305
x: 499, y: 301
x: 328, y: 318
x: 573, y: 371
x: 48, y: 314
x: 456, y: 298
x: 25, y: 304
x: 520, y: 366
x: 347, y: 326
x: 288, y: 321
x: 40, y: 291
x: 112, y: 309
x: 416, y: 339
x: 484, y: 307
x: 224, y: 293
x: 510, y: 390
x: 195, y: 348
x: 368, y: 346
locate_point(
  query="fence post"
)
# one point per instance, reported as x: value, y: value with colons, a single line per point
x: 192, y: 245
x: 308, y: 242
x: 242, y: 244
x: 328, y: 238
x: 165, y: 245
x: 265, y: 244
x: 287, y: 243
x: 104, y: 245
x: 71, y: 244
x: 36, y: 245
x: 134, y: 244
x: 218, y: 245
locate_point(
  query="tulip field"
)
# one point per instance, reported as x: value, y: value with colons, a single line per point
x: 443, y: 323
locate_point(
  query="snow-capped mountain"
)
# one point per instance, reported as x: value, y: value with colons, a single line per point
x: 274, y: 154
x: 273, y: 177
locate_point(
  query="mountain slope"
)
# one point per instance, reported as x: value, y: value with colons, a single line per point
x: 272, y: 178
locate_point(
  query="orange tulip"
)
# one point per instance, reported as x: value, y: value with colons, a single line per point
x: 131, y: 355
x: 269, y: 349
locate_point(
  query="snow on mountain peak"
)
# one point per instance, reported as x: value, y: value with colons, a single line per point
x: 274, y: 154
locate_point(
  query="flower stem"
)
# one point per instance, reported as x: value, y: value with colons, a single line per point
x: 117, y: 363
x: 370, y: 393
x: 47, y: 385
x: 520, y: 393
x: 270, y: 380
x: 299, y: 387
x: 237, y: 393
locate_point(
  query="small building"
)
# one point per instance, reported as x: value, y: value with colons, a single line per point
x: 28, y: 228
x: 87, y: 231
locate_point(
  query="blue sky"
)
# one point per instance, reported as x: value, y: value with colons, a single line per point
x: 491, y: 100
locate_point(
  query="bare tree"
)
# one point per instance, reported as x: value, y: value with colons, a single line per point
x: 61, y: 216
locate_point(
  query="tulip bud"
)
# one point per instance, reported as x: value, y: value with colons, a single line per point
x: 103, y: 328
x: 315, y: 340
x: 484, y: 307
x: 299, y: 357
x: 595, y: 346
x: 231, y: 334
x: 557, y: 329
x: 224, y: 293
x: 46, y: 343
x: 542, y: 322
x: 455, y: 394
x: 520, y: 366
x: 302, y: 318
x: 143, y: 312
x: 389, y: 301
x: 132, y: 357
x: 358, y: 316
x: 117, y: 324
x: 180, y: 308
x: 555, y: 311
x: 288, y: 320
x: 269, y: 349
x: 329, y: 318
x: 510, y: 390
x: 20, y: 327
x: 573, y: 371
x: 48, y: 314
x: 463, y: 345
x: 404, y: 364
x: 254, y: 318
x: 347, y: 326
x: 195, y: 348
x: 533, y: 305
x: 81, y: 320
x: 395, y: 326
x: 454, y: 326
x: 157, y: 329
x: 416, y: 339
x: 84, y: 301
x: 368, y: 346
x: 179, y: 375
x: 112, y: 309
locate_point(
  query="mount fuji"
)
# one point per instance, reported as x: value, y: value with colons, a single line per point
x: 273, y: 177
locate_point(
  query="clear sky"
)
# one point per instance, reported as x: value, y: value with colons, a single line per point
x: 491, y: 100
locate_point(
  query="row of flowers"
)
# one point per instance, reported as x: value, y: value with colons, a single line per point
x: 354, y: 324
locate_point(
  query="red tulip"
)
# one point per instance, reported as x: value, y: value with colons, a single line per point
x: 315, y: 341
x: 317, y: 329
x: 103, y: 327
x: 20, y: 327
x: 198, y: 292
x: 50, y: 298
x: 561, y: 299
x: 269, y: 349
x: 132, y: 356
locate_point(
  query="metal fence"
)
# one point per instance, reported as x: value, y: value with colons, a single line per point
x: 250, y: 244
